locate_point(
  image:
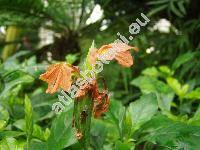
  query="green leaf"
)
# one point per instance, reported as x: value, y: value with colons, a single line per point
x: 195, y: 120
x: 37, y: 130
x: 195, y: 94
x: 10, y: 144
x: 7, y: 134
x: 4, y: 117
x: 181, y: 7
x: 121, y: 146
x: 182, y: 59
x: 38, y: 145
x: 156, y: 10
x: 62, y: 134
x: 149, y: 84
x: 13, y: 79
x: 162, y: 90
x: 116, y: 114
x: 29, y: 119
x: 102, y: 131
x: 71, y: 58
x: 143, y: 109
x: 152, y: 71
x: 28, y: 116
x: 168, y: 134
x: 46, y: 133
x: 165, y: 71
x: 175, y: 10
x: 157, y: 2
x: 176, y: 86
x: 87, y: 65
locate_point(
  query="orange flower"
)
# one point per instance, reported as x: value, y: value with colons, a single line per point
x: 58, y: 76
x: 117, y: 51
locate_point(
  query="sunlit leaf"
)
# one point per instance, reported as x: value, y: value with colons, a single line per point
x: 151, y: 72
x: 195, y: 94
x: 162, y: 90
x: 177, y: 87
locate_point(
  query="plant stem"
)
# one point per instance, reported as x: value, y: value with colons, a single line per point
x: 82, y: 119
x: 28, y: 143
x: 12, y: 35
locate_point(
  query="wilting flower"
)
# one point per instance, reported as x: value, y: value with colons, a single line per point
x: 88, y: 99
x: 101, y: 100
x: 58, y: 76
x: 118, y: 51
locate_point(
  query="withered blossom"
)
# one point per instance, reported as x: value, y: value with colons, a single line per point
x: 118, y: 51
x: 89, y: 96
x: 58, y: 76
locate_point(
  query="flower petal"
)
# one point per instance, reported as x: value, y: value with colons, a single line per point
x: 66, y: 78
x: 58, y: 76
x: 103, y: 49
x: 124, y: 58
x: 121, y: 47
x: 93, y: 56
x: 54, y: 87
x: 51, y: 74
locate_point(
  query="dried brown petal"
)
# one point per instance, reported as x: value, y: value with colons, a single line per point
x: 93, y: 56
x: 101, y: 106
x: 118, y: 51
x: 57, y: 76
x: 124, y: 58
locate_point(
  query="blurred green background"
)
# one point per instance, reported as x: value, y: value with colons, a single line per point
x: 154, y: 104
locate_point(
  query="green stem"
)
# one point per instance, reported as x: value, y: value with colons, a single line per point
x: 12, y: 35
x: 82, y: 119
x: 28, y: 143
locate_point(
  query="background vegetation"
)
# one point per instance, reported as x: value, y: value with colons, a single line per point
x: 154, y: 105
